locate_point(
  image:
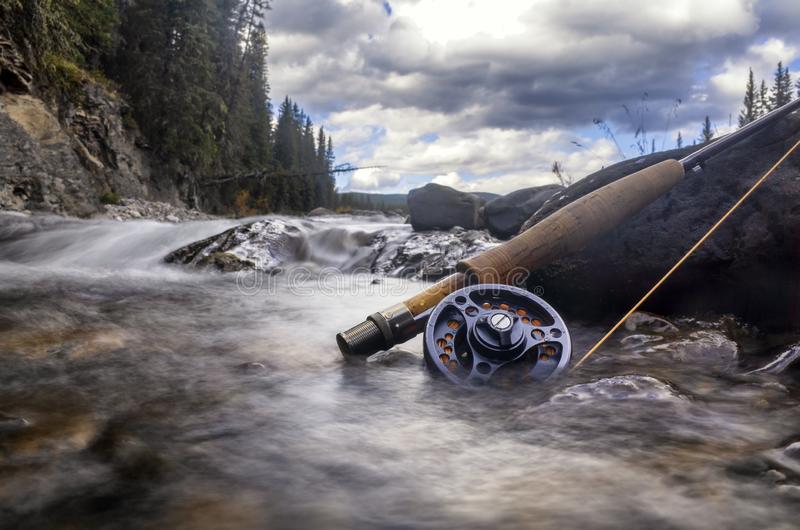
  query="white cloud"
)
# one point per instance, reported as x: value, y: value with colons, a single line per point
x: 497, y: 160
x: 371, y: 179
x: 761, y: 57
x: 486, y: 94
x: 451, y: 179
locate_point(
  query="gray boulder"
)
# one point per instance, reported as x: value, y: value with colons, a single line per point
x: 320, y: 211
x: 504, y: 216
x: 748, y: 268
x: 437, y: 207
x: 263, y: 245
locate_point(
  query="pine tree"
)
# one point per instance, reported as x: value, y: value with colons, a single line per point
x: 286, y: 148
x: 781, y: 92
x: 749, y: 113
x: 679, y: 141
x: 321, y: 163
x: 329, y: 157
x: 707, y: 132
x: 166, y: 67
x: 255, y: 116
x: 762, y: 100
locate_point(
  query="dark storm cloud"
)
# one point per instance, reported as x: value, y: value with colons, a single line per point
x: 596, y: 57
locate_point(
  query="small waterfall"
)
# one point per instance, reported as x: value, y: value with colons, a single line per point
x: 54, y: 242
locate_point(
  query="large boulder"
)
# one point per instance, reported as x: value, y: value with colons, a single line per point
x: 748, y: 268
x: 263, y: 245
x: 437, y: 207
x: 504, y: 216
x: 320, y: 212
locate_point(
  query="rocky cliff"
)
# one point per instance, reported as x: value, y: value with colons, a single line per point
x: 65, y: 155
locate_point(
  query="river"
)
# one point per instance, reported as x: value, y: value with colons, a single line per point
x: 138, y: 394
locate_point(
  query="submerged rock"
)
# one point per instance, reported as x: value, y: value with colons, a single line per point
x: 69, y: 342
x: 782, y: 362
x: 639, y: 340
x: 785, y: 459
x: 749, y: 267
x: 252, y: 367
x: 395, y: 356
x: 52, y: 433
x: 703, y: 347
x: 434, y: 206
x: 617, y: 388
x: 262, y: 245
x: 641, y: 321
x: 12, y: 423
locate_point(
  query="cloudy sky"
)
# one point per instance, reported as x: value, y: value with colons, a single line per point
x: 484, y: 95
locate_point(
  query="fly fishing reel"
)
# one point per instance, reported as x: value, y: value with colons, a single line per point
x: 495, y: 332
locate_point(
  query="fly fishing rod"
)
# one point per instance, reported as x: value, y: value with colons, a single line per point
x: 478, y: 325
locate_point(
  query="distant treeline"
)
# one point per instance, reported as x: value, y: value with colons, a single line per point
x: 195, y: 74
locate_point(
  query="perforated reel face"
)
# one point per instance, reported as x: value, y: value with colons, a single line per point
x: 496, y: 332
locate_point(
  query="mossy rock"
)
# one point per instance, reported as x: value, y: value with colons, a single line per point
x: 226, y: 262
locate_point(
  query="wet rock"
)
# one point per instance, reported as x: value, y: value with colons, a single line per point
x: 12, y: 423
x: 437, y: 207
x: 428, y: 254
x: 225, y: 262
x: 317, y: 212
x: 72, y: 343
x: 50, y: 433
x: 262, y: 245
x: 641, y: 321
x: 749, y: 268
x: 618, y: 388
x: 504, y: 215
x: 704, y: 347
x: 786, y: 460
x: 789, y: 490
x: 639, y: 340
x: 793, y: 450
x: 252, y: 367
x: 393, y: 357
x: 774, y: 476
x: 782, y: 362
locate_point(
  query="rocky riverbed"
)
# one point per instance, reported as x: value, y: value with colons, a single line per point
x: 138, y: 393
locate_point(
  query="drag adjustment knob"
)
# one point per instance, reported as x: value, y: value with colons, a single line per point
x: 501, y: 325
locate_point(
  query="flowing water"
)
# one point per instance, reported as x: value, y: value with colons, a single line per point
x: 136, y: 394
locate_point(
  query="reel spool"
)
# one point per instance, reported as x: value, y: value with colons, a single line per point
x: 496, y: 332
